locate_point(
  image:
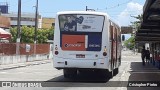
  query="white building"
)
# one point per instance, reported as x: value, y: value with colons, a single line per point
x: 27, y: 19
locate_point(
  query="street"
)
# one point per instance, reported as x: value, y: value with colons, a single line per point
x: 131, y: 69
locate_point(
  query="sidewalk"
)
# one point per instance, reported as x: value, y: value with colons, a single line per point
x: 18, y: 65
x: 129, y: 53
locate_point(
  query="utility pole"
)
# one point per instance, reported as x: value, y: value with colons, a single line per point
x: 0, y: 12
x: 18, y: 28
x: 86, y: 8
x: 36, y: 26
x: 89, y: 9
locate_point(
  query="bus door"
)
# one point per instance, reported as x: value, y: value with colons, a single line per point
x: 116, y: 46
x: 113, y: 45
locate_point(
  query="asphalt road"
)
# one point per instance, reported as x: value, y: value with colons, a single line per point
x: 131, y: 69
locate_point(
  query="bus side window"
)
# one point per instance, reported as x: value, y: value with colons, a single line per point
x: 115, y: 33
x: 111, y: 33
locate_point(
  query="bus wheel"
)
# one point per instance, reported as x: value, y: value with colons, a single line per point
x: 110, y: 74
x: 115, y: 71
x: 106, y: 74
x: 69, y: 73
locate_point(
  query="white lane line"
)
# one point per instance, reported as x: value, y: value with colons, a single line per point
x: 3, y: 72
x: 145, y: 72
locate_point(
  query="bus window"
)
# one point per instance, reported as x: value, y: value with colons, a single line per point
x: 111, y: 31
x: 81, y: 23
x: 81, y: 32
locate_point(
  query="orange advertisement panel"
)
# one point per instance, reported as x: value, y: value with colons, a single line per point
x: 73, y: 42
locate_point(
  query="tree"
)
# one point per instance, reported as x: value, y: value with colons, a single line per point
x: 136, y: 24
x: 42, y: 35
x: 27, y: 34
x: 130, y: 43
x: 51, y: 33
x: 13, y: 32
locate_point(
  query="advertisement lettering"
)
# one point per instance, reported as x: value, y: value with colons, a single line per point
x: 73, y: 42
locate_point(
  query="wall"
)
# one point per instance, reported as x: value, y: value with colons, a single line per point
x: 10, y: 49
x: 4, y: 60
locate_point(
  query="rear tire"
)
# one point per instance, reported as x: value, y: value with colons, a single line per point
x: 110, y: 74
x: 115, y: 71
x: 106, y: 74
x: 69, y: 73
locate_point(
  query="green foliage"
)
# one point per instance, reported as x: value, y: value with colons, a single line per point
x: 13, y: 31
x: 130, y: 42
x: 136, y: 24
x: 51, y: 33
x: 27, y: 34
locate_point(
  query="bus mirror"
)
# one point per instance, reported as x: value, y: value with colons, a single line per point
x: 123, y: 37
x: 53, y: 24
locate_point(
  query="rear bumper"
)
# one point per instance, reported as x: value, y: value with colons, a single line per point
x: 61, y: 63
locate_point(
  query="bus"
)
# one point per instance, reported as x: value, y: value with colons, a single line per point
x: 86, y: 40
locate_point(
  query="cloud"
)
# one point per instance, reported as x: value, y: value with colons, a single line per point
x: 132, y: 9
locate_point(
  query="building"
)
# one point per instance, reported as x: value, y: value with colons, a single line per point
x: 27, y: 19
x: 48, y: 22
x: 3, y: 7
x: 4, y: 22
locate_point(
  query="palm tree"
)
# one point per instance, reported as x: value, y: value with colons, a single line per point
x: 136, y: 24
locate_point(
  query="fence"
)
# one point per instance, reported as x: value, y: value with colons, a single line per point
x: 10, y: 49
x: 14, y: 59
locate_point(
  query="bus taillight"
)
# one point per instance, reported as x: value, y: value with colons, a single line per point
x: 56, y: 48
x: 56, y: 52
x: 104, y: 53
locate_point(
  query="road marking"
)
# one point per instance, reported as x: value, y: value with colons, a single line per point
x: 20, y: 72
x: 145, y: 72
x: 3, y: 72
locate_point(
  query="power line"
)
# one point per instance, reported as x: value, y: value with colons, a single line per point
x: 112, y: 7
x: 119, y: 4
x: 48, y: 12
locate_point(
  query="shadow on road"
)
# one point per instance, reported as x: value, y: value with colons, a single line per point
x: 142, y: 75
x: 82, y: 77
x: 91, y: 79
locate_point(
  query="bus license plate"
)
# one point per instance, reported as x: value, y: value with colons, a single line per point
x: 80, y: 56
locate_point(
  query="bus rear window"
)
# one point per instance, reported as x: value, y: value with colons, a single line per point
x: 81, y: 23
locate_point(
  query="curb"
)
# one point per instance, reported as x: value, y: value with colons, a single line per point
x: 25, y: 64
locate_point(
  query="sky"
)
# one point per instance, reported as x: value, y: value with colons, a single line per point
x: 119, y: 10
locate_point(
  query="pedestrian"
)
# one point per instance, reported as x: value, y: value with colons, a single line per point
x: 143, y: 55
x: 147, y: 55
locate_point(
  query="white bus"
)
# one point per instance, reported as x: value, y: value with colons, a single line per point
x: 86, y: 40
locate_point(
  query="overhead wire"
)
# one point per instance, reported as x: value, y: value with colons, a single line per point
x: 115, y: 6
x: 119, y: 4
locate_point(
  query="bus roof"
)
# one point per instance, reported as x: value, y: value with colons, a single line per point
x: 87, y: 12
x: 83, y: 12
